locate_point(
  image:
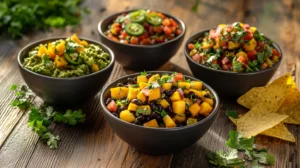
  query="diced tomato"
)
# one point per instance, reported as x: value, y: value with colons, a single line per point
x: 124, y: 41
x: 264, y: 66
x: 212, y: 33
x: 110, y: 36
x: 225, y: 60
x: 151, y: 30
x: 143, y: 36
x: 226, y: 67
x: 214, y: 62
x: 178, y: 31
x: 134, y: 40
x: 173, y: 29
x: 112, y: 106
x: 196, y: 57
x: 158, y: 29
x: 167, y: 30
x: 158, y: 39
x: 178, y: 77
x: 275, y: 52
x: 248, y: 36
x: 123, y: 35
x: 242, y: 59
x: 191, y: 46
x: 174, y: 24
x: 166, y: 22
x: 146, y: 41
x: 229, y: 28
x: 252, y: 55
x: 246, y: 26
x: 146, y: 25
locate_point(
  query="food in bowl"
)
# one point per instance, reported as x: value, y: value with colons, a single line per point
x: 143, y: 27
x: 66, y: 58
x: 234, y: 47
x: 163, y: 101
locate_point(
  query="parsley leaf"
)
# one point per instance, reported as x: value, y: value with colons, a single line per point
x: 154, y: 85
x: 232, y: 113
x: 23, y: 95
x: 52, y: 140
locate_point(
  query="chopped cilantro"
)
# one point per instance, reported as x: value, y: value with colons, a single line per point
x: 163, y: 113
x: 154, y: 85
x: 261, y: 57
x: 143, y: 73
x: 237, y: 66
x: 232, y: 113
x: 142, y: 111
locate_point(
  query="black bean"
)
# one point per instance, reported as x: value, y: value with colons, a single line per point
x: 169, y: 92
x: 120, y: 84
x: 170, y: 109
x: 140, y: 118
x: 159, y: 107
x: 200, y: 117
x: 149, y: 76
x: 157, y: 116
x: 123, y: 108
x: 147, y: 118
x: 153, y: 106
x: 115, y: 114
x: 137, y: 122
x: 118, y: 110
x: 191, y: 95
x: 180, y: 125
x: 107, y: 101
x: 174, y: 88
x: 206, y: 95
x: 137, y: 102
x: 134, y: 79
x: 131, y: 81
x: 168, y: 100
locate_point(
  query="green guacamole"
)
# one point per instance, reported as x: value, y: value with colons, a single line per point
x: 63, y: 59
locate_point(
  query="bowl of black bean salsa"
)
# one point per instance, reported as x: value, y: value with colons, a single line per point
x: 161, y: 137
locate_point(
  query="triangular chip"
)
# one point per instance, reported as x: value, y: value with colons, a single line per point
x: 252, y: 97
x: 284, y: 79
x: 294, y: 115
x: 279, y: 131
x: 257, y: 120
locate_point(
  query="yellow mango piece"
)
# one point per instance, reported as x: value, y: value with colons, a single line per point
x: 232, y: 45
x: 194, y: 109
x: 191, y: 121
x: 51, y: 51
x: 188, y: 101
x: 153, y: 78
x: 141, y: 78
x: 242, y: 53
x: 60, y: 48
x: 164, y: 103
x: 180, y: 118
x: 209, y: 101
x: 198, y: 93
x: 42, y: 50
x: 95, y: 67
x: 76, y: 39
x: 168, y: 121
x: 151, y: 123
x: 184, y: 85
x: 132, y: 107
x: 251, y: 45
x: 186, y: 91
x: 84, y: 43
x: 164, y: 76
x: 175, y: 96
x: 167, y: 86
x: 178, y: 107
x: 132, y: 93
x: 60, y: 61
x: 126, y: 115
x: 206, y: 45
x: 141, y: 97
x: 205, y: 109
x: 197, y: 85
x: 143, y: 85
x: 154, y: 94
x: 145, y: 107
x: 253, y: 29
x: 119, y: 92
x: 79, y: 49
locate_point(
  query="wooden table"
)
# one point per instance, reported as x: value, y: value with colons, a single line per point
x: 94, y: 144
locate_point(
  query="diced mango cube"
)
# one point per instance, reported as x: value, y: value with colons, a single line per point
x: 197, y: 85
x: 95, y: 67
x: 60, y: 61
x: 60, y: 48
x: 145, y: 107
x: 119, y: 92
x: 132, y: 93
x: 232, y: 45
x: 191, y: 121
x: 251, y: 45
x: 132, y: 107
x: 180, y: 118
x: 141, y: 78
x: 178, y: 107
x: 188, y: 101
x: 51, y: 51
x: 242, y: 53
x: 76, y: 39
x: 84, y: 43
x: 207, y: 45
x: 194, y: 109
x: 153, y: 78
x: 164, y: 103
x: 151, y: 123
x: 42, y: 51
x: 184, y: 85
x: 168, y: 121
x: 253, y: 29
x: 205, y: 109
x: 141, y: 97
x: 143, y: 85
x: 164, y: 76
x: 167, y: 86
x: 154, y: 94
x: 79, y: 49
x: 198, y: 93
x: 175, y: 96
x: 126, y: 115
x: 209, y: 101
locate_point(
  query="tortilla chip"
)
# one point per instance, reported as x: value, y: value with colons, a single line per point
x: 252, y: 97
x: 284, y: 79
x: 294, y: 115
x: 279, y: 131
x: 258, y: 119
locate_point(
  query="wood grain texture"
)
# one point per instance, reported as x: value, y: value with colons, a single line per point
x: 94, y: 144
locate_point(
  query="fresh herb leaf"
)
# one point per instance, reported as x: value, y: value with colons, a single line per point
x: 197, y: 45
x: 122, y: 102
x: 268, y: 51
x: 144, y: 73
x: 52, y: 140
x: 236, y: 141
x: 261, y: 57
x: 232, y: 113
x: 238, y: 36
x: 163, y: 113
x: 13, y: 87
x: 142, y: 111
x: 225, y: 159
x: 23, y: 95
x: 263, y: 157
x: 70, y: 117
x: 237, y: 66
x: 154, y: 85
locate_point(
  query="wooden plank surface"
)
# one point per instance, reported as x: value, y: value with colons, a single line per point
x: 94, y: 144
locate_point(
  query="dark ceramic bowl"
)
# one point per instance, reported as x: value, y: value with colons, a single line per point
x: 65, y: 90
x: 141, y: 57
x: 157, y: 141
x: 229, y: 84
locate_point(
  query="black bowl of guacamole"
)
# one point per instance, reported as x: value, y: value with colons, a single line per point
x: 63, y: 78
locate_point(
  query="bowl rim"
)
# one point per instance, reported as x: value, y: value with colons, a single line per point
x: 36, y: 43
x: 195, y: 35
x: 143, y: 46
x: 113, y: 83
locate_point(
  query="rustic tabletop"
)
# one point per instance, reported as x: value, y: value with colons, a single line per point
x: 94, y: 144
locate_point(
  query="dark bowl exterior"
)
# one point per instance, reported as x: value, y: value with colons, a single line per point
x: 142, y: 57
x: 157, y: 141
x: 64, y: 90
x: 229, y: 84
